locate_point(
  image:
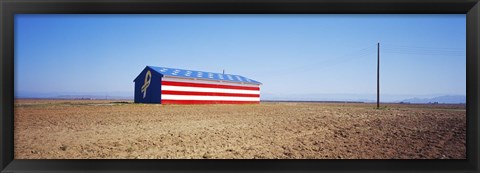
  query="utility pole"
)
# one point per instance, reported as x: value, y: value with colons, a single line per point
x: 378, y: 75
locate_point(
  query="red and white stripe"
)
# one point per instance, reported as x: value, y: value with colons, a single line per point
x: 188, y: 91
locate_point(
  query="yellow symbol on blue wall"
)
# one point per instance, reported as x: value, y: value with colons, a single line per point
x: 148, y: 77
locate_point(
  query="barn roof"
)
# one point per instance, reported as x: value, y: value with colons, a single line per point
x: 174, y: 72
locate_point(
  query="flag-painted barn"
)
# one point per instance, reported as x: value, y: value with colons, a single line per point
x: 178, y: 86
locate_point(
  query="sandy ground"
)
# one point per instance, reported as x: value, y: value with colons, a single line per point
x: 72, y: 129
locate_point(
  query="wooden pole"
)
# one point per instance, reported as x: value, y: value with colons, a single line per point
x: 378, y: 75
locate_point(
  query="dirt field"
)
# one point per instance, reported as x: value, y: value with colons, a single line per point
x: 72, y: 129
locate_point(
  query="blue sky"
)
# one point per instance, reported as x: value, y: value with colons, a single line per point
x: 294, y: 56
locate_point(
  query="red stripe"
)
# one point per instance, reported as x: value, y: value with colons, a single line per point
x: 209, y: 85
x: 207, y: 102
x: 208, y: 93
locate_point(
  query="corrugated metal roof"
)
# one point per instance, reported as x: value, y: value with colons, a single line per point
x: 174, y: 72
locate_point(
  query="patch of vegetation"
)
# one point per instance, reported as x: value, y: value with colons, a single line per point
x: 34, y: 105
x: 121, y: 102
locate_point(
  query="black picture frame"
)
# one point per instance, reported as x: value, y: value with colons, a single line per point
x: 9, y: 8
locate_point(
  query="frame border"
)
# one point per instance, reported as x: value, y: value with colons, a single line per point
x: 9, y: 8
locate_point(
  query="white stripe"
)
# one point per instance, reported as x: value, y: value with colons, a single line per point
x: 200, y: 89
x: 189, y: 97
x: 207, y: 81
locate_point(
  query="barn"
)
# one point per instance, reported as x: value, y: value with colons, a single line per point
x: 178, y: 86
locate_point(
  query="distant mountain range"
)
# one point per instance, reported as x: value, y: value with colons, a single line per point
x: 452, y: 99
x: 78, y: 95
x: 92, y: 97
x: 368, y: 98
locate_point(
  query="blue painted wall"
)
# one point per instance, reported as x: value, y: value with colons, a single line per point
x: 153, y: 91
